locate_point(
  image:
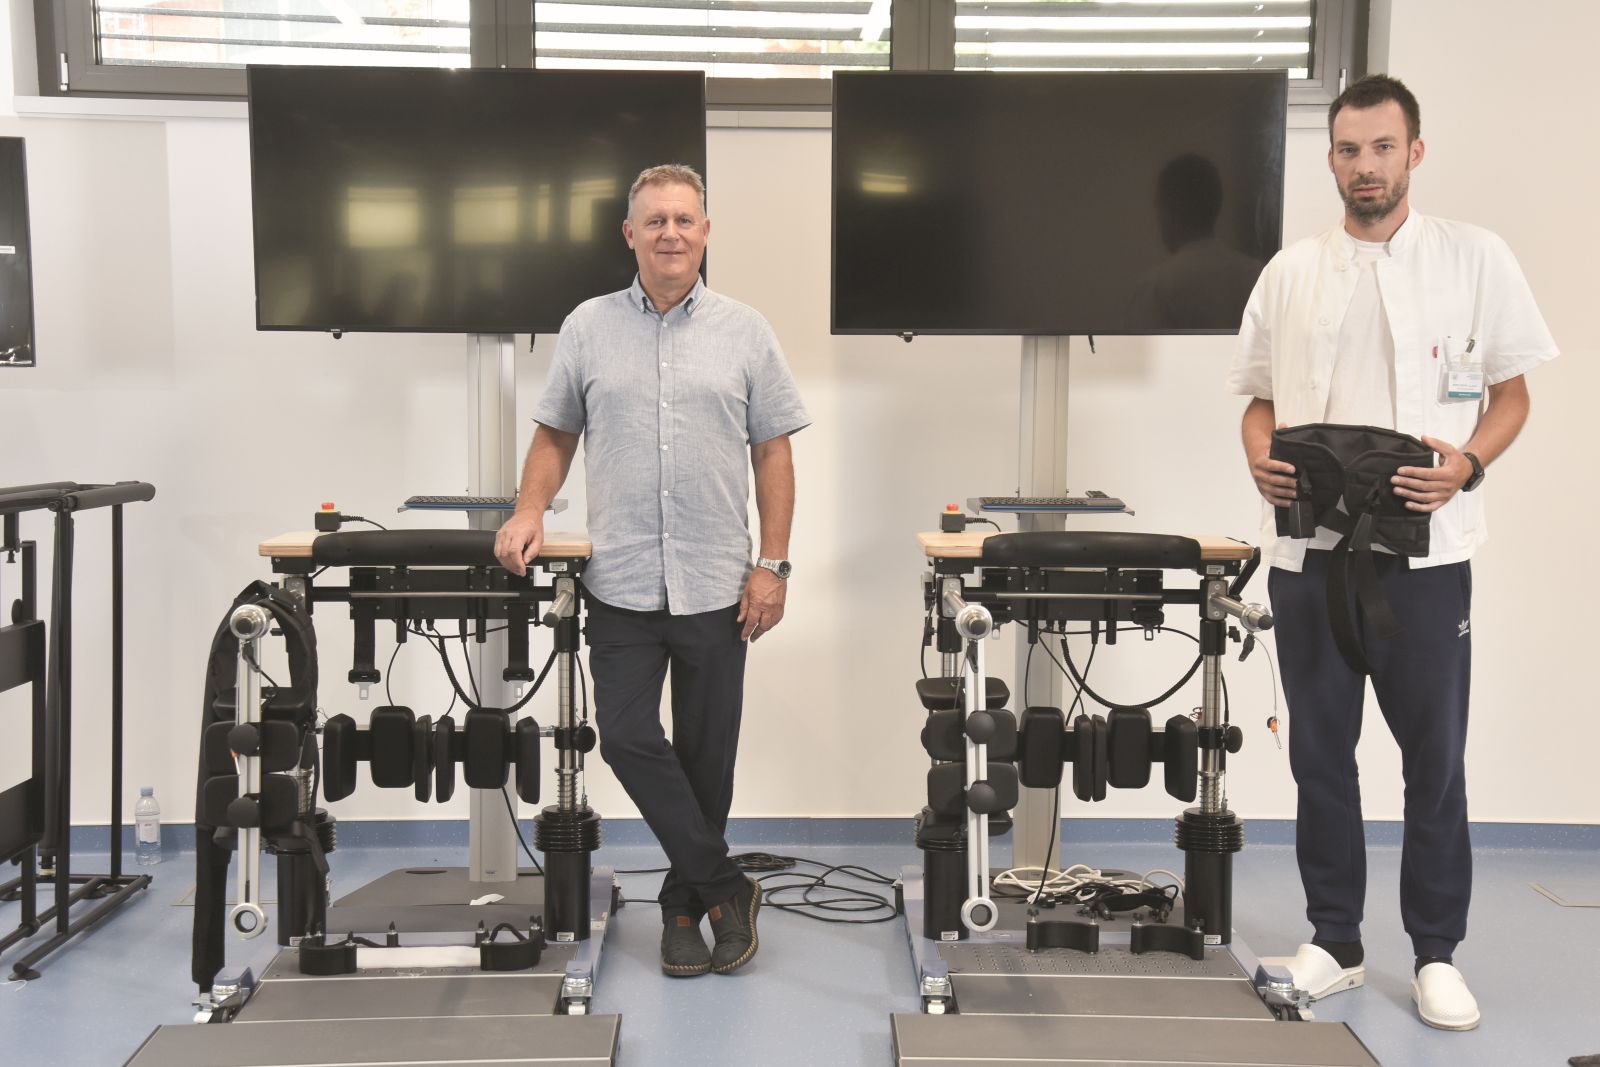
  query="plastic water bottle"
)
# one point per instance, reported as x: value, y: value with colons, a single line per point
x: 147, y: 826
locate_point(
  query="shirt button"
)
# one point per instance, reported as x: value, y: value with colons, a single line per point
x: 664, y: 536
x: 1323, y: 321
x: 666, y: 492
x: 663, y: 448
x: 1342, y: 266
x: 664, y: 363
x: 663, y: 403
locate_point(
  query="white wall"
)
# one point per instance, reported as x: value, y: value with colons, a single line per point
x: 150, y: 368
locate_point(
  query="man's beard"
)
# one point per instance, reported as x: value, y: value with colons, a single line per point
x: 1369, y: 211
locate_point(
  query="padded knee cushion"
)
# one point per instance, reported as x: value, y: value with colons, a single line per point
x: 528, y: 761
x: 486, y: 762
x: 338, y: 758
x: 1039, y: 747
x: 1089, y: 762
x: 275, y: 809
x: 444, y: 758
x: 422, y: 758
x: 390, y: 731
x: 280, y: 802
x: 939, y: 694
x: 943, y: 736
x: 218, y: 749
x: 995, y: 793
x: 947, y: 789
x: 1128, y: 748
x: 1182, y: 757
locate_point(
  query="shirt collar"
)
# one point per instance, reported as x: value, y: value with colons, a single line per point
x: 641, y: 300
x: 1403, y: 237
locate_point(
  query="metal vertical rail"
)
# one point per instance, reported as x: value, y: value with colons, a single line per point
x: 115, y: 844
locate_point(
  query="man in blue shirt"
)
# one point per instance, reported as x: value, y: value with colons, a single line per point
x: 678, y: 393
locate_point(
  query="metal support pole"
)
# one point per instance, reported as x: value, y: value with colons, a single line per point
x: 249, y: 624
x: 491, y: 471
x: 116, y: 692
x: 1213, y: 797
x: 1042, y: 471
x: 566, y: 711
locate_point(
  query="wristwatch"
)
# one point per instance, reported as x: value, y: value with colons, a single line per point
x: 1477, y: 473
x: 780, y: 567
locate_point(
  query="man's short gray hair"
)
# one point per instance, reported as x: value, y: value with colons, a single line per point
x: 669, y: 174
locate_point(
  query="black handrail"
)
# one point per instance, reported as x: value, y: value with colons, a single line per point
x: 71, y: 496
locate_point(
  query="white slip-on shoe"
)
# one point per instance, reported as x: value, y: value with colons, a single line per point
x: 1316, y: 973
x: 1443, y: 999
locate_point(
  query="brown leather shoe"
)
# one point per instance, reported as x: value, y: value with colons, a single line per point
x: 683, y: 950
x: 733, y: 925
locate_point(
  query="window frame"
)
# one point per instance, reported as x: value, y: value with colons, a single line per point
x: 501, y: 35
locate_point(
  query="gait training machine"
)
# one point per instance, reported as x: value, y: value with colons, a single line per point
x: 486, y: 963
x: 1135, y: 973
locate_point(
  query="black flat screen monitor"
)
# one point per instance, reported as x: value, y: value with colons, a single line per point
x: 452, y: 201
x: 16, y: 257
x: 1054, y: 203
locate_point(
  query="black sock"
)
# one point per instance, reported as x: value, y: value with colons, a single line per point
x: 1344, y: 953
x: 1423, y: 961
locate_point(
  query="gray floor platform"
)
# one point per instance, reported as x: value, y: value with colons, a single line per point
x: 548, y: 1041
x: 1033, y: 1041
x: 1107, y: 996
x: 408, y: 997
x: 824, y: 993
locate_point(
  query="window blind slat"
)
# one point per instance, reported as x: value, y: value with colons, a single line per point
x: 752, y: 32
x: 812, y: 59
x: 806, y: 7
x: 803, y: 38
x: 268, y: 16
x: 1090, y: 35
x: 245, y: 42
x: 1121, y: 8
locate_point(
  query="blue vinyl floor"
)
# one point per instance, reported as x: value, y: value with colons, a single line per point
x: 823, y: 994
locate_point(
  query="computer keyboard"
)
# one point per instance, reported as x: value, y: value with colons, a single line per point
x: 470, y: 503
x: 1092, y: 502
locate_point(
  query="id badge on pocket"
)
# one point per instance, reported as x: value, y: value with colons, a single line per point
x: 1460, y: 375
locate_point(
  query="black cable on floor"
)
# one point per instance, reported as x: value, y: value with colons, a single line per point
x: 821, y: 899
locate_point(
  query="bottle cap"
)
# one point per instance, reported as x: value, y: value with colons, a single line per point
x: 147, y: 790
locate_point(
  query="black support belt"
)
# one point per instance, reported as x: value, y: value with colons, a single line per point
x: 1353, y: 466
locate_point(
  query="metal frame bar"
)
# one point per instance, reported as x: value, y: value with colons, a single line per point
x: 923, y: 37
x: 53, y: 842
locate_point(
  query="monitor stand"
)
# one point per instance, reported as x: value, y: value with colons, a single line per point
x: 1041, y: 471
x: 491, y: 471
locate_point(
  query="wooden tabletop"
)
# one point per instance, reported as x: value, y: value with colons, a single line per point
x: 969, y: 545
x: 297, y: 545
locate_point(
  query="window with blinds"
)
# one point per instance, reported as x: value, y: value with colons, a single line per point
x: 724, y: 38
x: 1134, y: 35
x: 232, y: 33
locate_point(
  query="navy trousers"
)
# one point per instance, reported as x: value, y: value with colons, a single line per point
x: 683, y: 788
x: 1421, y: 680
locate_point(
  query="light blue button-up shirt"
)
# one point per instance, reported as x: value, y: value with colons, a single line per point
x: 669, y: 406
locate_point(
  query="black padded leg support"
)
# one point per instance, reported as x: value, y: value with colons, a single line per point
x: 1161, y: 937
x: 1064, y: 933
x: 211, y: 858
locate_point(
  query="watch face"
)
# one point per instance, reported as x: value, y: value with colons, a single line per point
x: 784, y: 568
